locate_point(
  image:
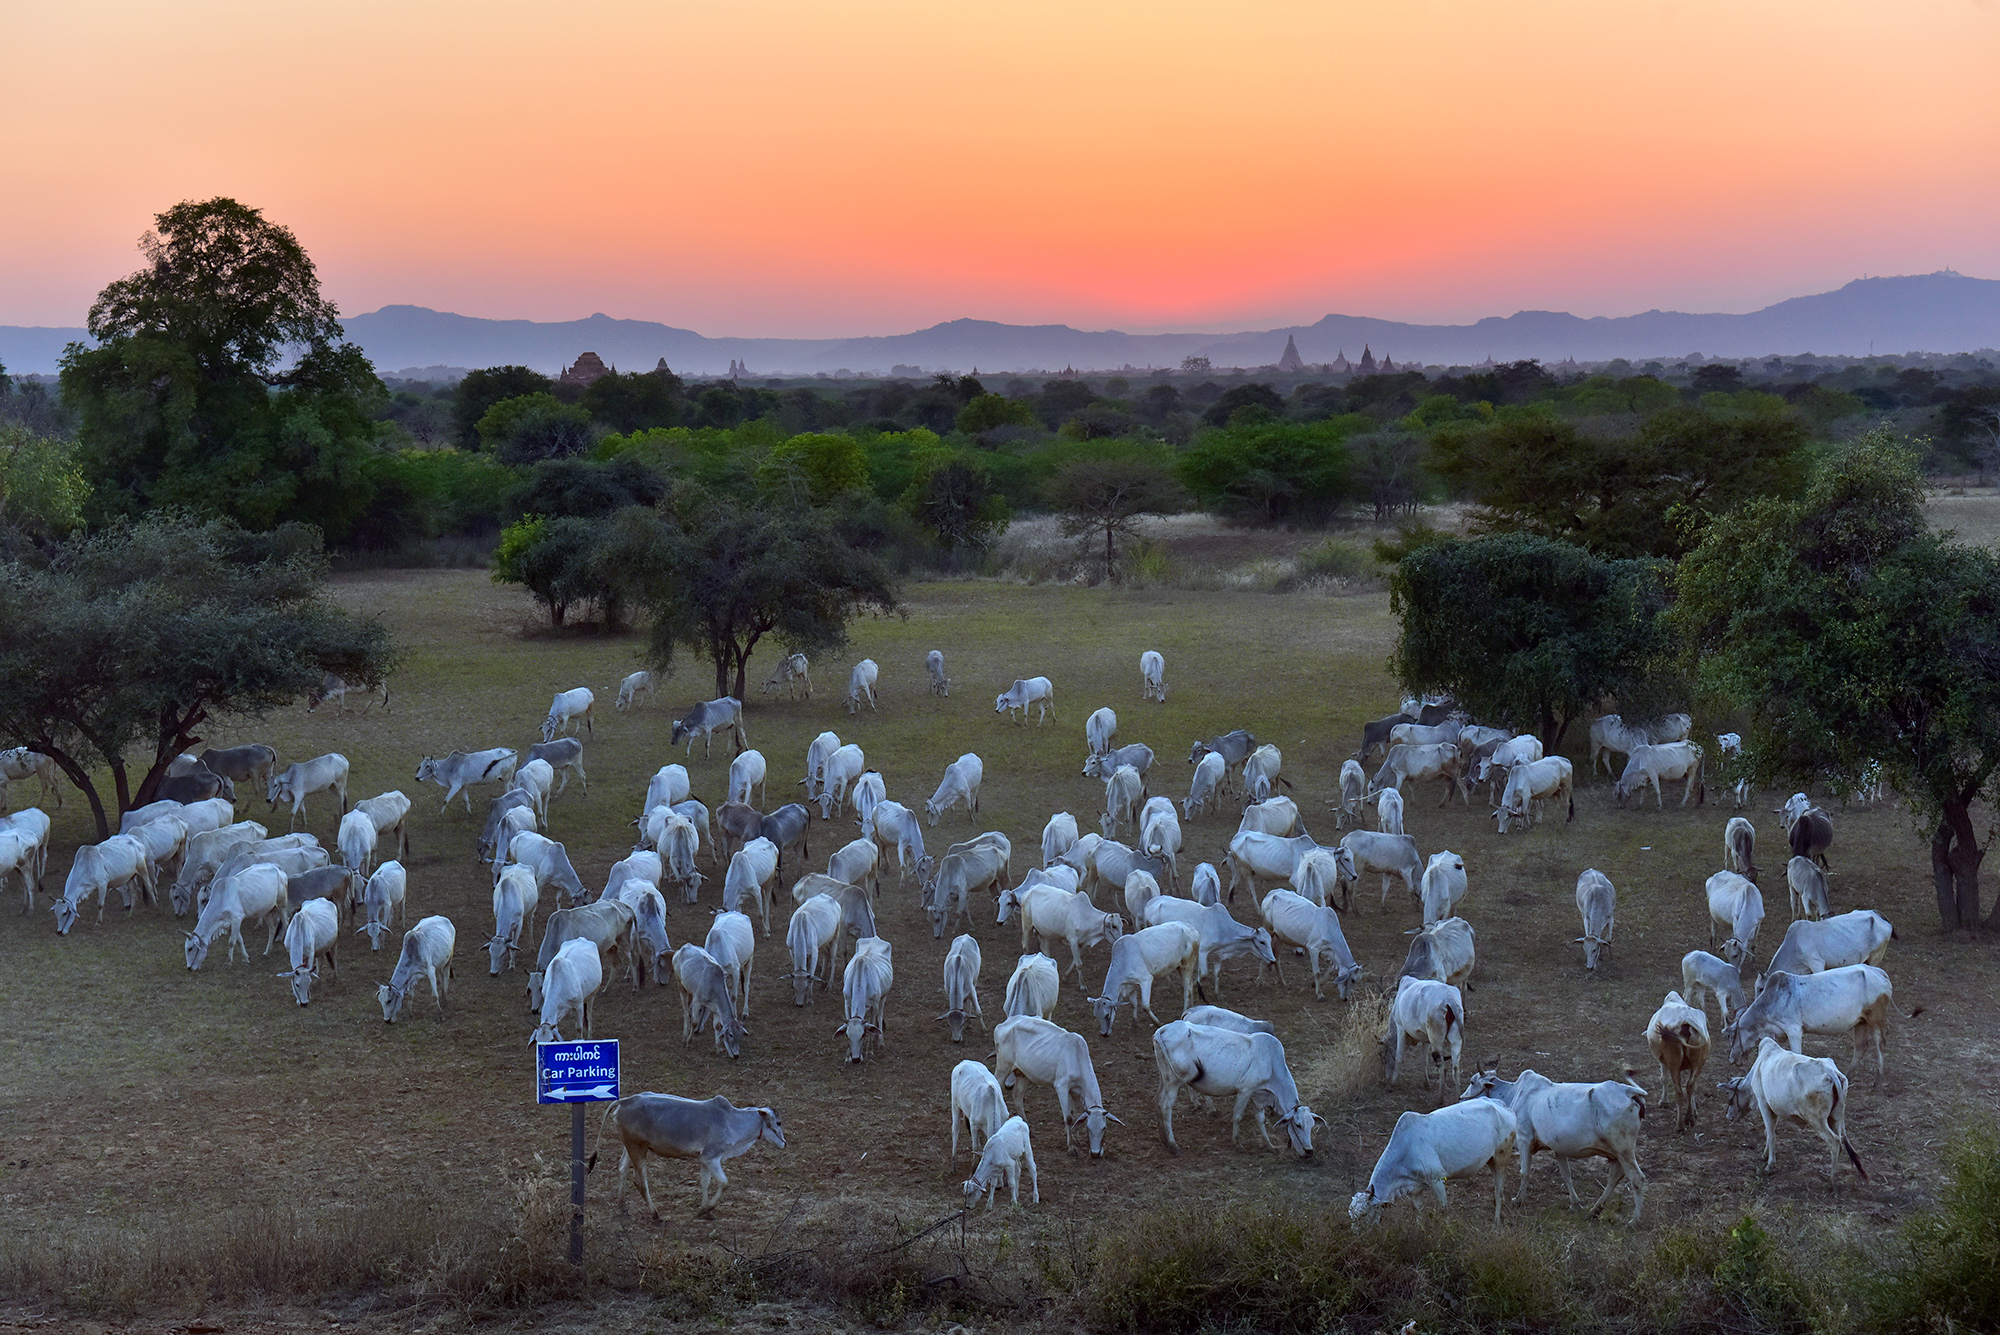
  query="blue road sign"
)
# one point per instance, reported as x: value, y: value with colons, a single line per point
x: 585, y: 1072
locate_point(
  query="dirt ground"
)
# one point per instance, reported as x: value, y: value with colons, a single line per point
x: 138, y: 1094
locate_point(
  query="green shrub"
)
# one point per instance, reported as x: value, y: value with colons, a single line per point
x: 1949, y: 1275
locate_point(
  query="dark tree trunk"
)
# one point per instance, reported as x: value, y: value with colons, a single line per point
x: 722, y: 657
x: 123, y: 786
x: 81, y: 778
x: 1955, y: 859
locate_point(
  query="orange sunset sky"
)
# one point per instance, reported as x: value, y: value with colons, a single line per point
x: 779, y: 168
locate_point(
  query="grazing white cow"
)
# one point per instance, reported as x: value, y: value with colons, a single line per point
x: 961, y: 986
x: 965, y: 870
x: 961, y: 782
x: 563, y: 756
x: 1859, y: 937
x: 1597, y: 905
x: 1027, y: 693
x: 1251, y: 855
x: 1006, y: 1152
x: 165, y: 841
x: 1678, y: 1036
x: 20, y: 854
x: 866, y: 794
x: 1657, y: 765
x: 1152, y: 676
x: 810, y: 939
x: 570, y: 982
x: 461, y: 770
x: 1494, y: 767
x: 514, y: 821
x: 841, y: 771
x: 635, y: 685
x: 1389, y: 812
x: 1216, y: 1017
x: 1573, y: 1121
x: 19, y: 763
x: 1033, y: 987
x: 1443, y: 886
x: 854, y: 863
x: 1702, y: 973
x: 1222, y: 938
x: 894, y: 826
x: 1274, y: 815
x: 732, y: 944
x: 792, y: 674
x: 549, y: 861
x: 1220, y: 1063
x: 312, y: 935
x: 706, y: 1000
x: 864, y: 993
x: 606, y: 923
x: 1808, y: 830
x: 708, y: 718
x: 1442, y: 761
x: 1729, y: 745
x: 1260, y: 772
x: 1852, y: 1000
x: 327, y: 773
x: 116, y: 864
x: 861, y: 685
x: 536, y: 779
x: 934, y: 668
x: 384, y: 895
x: 1057, y: 837
x: 1371, y: 852
x: 1446, y: 732
x: 1206, y: 786
x: 1353, y: 786
x: 707, y: 1131
x: 746, y: 775
x: 817, y: 754
x: 668, y: 786
x: 336, y: 689
x: 1805, y: 1091
x: 1136, y: 960
x: 567, y: 707
x: 427, y: 949
x: 1099, y: 730
x: 1461, y: 1140
x: 1532, y: 784
x: 1070, y: 916
x: 1805, y: 888
x: 205, y: 852
x: 390, y: 813
x: 1737, y: 907
x: 255, y: 894
x: 1739, y: 847
x: 1206, y: 884
x: 1123, y: 792
x: 1428, y: 1012
x: 515, y: 898
x: 1444, y: 952
x: 1314, y: 928
x: 1608, y: 737
x: 1138, y: 755
x: 978, y: 1101
x: 750, y: 872
x: 1035, y: 1049
x: 651, y: 950
x: 357, y: 841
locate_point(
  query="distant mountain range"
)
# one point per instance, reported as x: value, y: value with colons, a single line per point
x: 1941, y: 312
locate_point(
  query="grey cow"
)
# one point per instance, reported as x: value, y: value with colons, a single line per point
x: 705, y: 1130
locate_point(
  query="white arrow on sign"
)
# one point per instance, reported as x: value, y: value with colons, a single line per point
x: 577, y: 1093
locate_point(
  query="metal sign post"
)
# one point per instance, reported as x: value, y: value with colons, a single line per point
x: 576, y: 1074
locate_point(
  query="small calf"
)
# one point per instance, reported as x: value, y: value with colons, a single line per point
x: 1007, y: 1150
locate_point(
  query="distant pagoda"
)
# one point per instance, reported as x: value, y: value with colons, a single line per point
x: 588, y: 370
x: 1291, y: 362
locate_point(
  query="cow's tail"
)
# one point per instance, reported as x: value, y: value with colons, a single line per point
x: 611, y: 1112
x: 1572, y: 805
x: 1853, y: 1158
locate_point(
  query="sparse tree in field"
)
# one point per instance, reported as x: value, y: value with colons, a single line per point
x: 1106, y: 494
x: 727, y: 575
x: 222, y: 382
x: 954, y: 497
x: 1849, y: 632
x: 138, y: 634
x: 1527, y: 630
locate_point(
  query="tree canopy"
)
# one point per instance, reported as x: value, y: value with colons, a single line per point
x: 1529, y: 631
x: 1270, y: 470
x: 1849, y: 632
x: 222, y: 382
x: 1636, y: 494
x: 1106, y: 493
x: 138, y: 634
x: 729, y: 575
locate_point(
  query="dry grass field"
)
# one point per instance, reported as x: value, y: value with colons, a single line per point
x: 156, y: 1119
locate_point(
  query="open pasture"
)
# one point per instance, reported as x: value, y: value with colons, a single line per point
x: 140, y: 1096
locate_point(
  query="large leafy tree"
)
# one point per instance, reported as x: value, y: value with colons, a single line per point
x: 137, y: 635
x: 222, y: 381
x: 1849, y: 632
x: 727, y: 575
x: 1271, y: 470
x: 1636, y: 494
x: 1532, y: 631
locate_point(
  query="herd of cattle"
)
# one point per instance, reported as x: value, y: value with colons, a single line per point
x: 1824, y: 978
